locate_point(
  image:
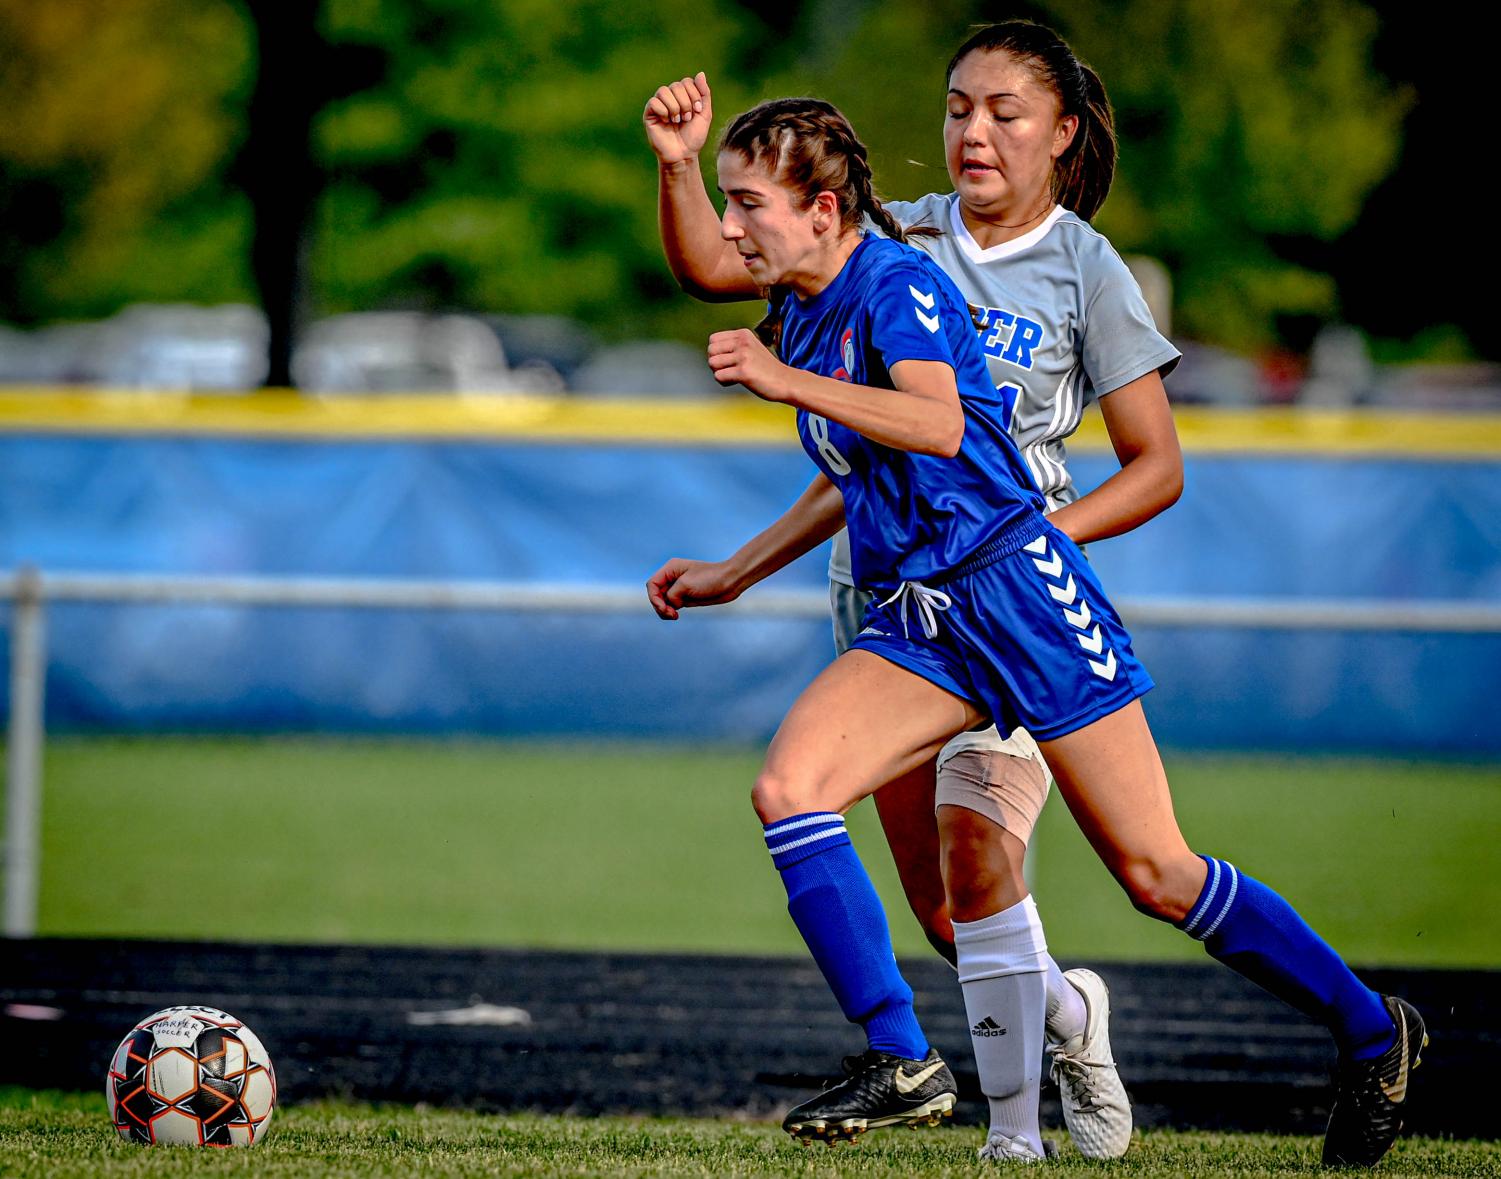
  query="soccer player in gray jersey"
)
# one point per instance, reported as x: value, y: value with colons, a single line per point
x: 1030, y: 148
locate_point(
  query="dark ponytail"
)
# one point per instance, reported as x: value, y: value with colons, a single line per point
x: 1083, y: 173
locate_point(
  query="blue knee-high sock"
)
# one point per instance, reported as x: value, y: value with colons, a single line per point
x: 1252, y: 930
x: 840, y: 916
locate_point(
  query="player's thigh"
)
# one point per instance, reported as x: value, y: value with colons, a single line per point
x: 1111, y: 775
x: 906, y: 809
x: 906, y: 804
x: 863, y: 722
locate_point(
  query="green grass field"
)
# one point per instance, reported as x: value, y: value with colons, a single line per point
x: 63, y: 1136
x: 638, y: 847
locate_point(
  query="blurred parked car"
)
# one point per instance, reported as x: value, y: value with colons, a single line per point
x: 556, y: 341
x: 1465, y: 388
x: 402, y: 351
x: 181, y: 347
x: 1208, y: 375
x: 155, y: 346
x: 45, y: 356
x: 650, y: 367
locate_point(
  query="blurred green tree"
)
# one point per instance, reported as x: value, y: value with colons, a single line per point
x: 121, y: 121
x: 1250, y: 132
x: 490, y: 156
x: 499, y: 164
x: 1253, y: 132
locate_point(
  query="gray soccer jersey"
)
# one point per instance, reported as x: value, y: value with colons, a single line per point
x: 1065, y: 323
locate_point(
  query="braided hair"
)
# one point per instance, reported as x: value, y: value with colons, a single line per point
x: 809, y: 147
x: 1083, y: 173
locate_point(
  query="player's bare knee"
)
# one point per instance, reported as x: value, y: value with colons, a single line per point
x: 1156, y: 888
x: 974, y: 890
x: 982, y: 865
x: 932, y: 915
x: 776, y: 796
x: 929, y: 905
x: 941, y: 938
x: 976, y: 900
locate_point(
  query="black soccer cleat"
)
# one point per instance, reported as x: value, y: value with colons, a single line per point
x: 1372, y: 1094
x: 879, y: 1089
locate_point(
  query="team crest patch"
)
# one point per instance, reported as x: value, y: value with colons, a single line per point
x: 847, y: 355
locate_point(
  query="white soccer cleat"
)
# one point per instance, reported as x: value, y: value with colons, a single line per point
x: 1095, y: 1106
x: 1000, y: 1148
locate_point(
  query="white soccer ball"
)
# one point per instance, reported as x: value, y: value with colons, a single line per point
x: 191, y: 1076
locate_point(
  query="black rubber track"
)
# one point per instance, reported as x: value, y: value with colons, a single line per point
x: 678, y: 1034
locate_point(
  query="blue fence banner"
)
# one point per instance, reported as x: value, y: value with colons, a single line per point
x: 1361, y: 527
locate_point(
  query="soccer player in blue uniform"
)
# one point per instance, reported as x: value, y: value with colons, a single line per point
x: 988, y: 612
x: 1030, y: 147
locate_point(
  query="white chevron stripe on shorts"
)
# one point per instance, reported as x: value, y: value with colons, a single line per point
x: 1091, y: 639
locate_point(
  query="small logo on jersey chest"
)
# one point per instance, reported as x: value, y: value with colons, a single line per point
x: 847, y: 355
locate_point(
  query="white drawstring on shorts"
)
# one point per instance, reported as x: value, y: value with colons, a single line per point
x: 928, y: 601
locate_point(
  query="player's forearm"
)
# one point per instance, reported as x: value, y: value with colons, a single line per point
x: 817, y: 515
x: 705, y: 265
x: 1146, y: 486
x: 899, y: 418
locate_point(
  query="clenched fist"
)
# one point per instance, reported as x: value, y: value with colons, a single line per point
x: 678, y: 117
x: 737, y: 357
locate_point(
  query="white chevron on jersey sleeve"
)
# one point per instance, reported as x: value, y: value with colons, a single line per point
x: 924, y: 299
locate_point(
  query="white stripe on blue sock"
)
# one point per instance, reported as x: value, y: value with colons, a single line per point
x: 1229, y: 900
x: 1206, y: 900
x: 826, y: 833
x: 785, y: 838
x: 796, y: 822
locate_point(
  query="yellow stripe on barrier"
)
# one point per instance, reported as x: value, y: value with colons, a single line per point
x: 735, y: 420
x: 1352, y: 433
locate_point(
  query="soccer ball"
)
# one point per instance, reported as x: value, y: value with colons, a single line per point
x: 191, y: 1076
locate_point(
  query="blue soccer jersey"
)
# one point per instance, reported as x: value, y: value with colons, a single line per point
x: 911, y: 516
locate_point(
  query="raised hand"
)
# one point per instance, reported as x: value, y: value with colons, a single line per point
x: 678, y: 117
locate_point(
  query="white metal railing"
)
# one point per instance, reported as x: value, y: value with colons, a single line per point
x: 30, y: 590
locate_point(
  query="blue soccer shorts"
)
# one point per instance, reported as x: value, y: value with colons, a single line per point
x: 1022, y: 630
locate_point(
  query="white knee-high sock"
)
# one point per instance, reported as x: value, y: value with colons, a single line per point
x: 1067, y: 1014
x: 1003, y: 961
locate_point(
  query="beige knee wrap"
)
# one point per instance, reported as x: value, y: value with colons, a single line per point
x: 1005, y: 780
